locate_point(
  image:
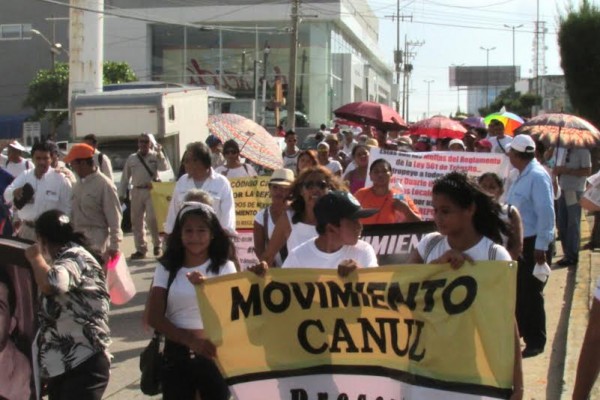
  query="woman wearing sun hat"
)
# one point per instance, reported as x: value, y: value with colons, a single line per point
x: 265, y: 219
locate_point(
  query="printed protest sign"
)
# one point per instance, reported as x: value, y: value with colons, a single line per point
x: 393, y: 243
x: 250, y: 194
x: 409, y: 332
x: 417, y: 171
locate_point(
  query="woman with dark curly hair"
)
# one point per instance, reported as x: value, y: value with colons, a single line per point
x: 297, y: 225
x: 198, y: 247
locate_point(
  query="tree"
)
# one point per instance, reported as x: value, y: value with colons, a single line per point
x: 578, y: 35
x: 515, y: 102
x: 49, y: 89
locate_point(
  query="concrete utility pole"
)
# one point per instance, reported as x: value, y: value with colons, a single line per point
x: 398, y: 56
x: 408, y: 67
x: 86, y: 45
x: 428, y: 82
x: 291, y: 98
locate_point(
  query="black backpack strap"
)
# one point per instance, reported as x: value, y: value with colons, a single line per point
x: 146, y: 166
x: 100, y: 159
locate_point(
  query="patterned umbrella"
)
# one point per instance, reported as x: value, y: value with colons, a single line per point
x: 255, y: 142
x: 561, y: 130
x: 371, y: 113
x: 510, y: 120
x: 438, y: 127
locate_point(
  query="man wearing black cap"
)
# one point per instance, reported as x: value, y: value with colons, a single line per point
x: 338, y: 225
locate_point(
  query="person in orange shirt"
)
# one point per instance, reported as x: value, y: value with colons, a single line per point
x: 393, y: 207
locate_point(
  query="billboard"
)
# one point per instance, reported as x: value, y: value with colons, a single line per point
x: 494, y: 75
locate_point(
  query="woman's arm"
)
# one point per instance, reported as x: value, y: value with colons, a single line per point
x: 280, y: 235
x: 415, y: 258
x: 258, y: 232
x: 589, y: 358
x: 40, y: 268
x: 514, y: 244
x: 404, y: 208
x: 193, y: 339
x: 517, y: 368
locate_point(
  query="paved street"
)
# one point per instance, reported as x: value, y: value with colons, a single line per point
x: 548, y: 376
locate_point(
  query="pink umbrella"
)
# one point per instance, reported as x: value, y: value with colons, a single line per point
x: 438, y: 127
x: 371, y: 113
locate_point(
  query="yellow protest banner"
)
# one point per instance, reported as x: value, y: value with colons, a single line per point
x: 250, y: 194
x: 161, y: 194
x: 411, y: 332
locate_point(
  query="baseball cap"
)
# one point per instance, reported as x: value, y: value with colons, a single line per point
x: 282, y: 177
x: 79, y: 151
x: 458, y: 142
x: 335, y: 205
x: 522, y: 144
x: 16, y: 145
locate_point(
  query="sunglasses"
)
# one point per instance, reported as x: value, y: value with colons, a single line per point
x: 230, y: 152
x: 318, y: 184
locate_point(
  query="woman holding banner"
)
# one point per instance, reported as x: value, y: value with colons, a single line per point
x: 469, y: 229
x: 394, y: 206
x: 198, y: 247
x: 297, y: 225
x: 264, y: 221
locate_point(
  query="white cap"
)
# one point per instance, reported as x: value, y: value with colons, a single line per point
x: 458, y: 142
x: 16, y: 145
x: 323, y: 145
x: 523, y: 144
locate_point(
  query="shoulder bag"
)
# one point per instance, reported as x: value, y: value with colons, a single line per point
x: 151, y: 359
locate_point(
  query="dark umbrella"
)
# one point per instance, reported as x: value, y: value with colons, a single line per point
x: 561, y: 130
x: 371, y: 113
x: 473, y: 122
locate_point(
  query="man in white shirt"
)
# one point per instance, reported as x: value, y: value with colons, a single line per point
x: 15, y: 164
x: 200, y: 175
x: 38, y: 190
x: 497, y: 137
x: 338, y: 216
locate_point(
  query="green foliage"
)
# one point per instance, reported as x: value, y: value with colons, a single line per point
x: 117, y: 72
x: 514, y: 102
x: 49, y: 89
x: 579, y: 31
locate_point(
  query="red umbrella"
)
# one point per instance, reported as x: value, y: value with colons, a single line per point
x: 371, y: 113
x: 438, y: 127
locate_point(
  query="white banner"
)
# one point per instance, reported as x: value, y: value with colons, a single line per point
x: 417, y: 171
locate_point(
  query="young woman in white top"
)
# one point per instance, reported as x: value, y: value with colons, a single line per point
x: 264, y: 221
x: 198, y: 246
x: 469, y: 229
x: 233, y: 167
x: 297, y: 225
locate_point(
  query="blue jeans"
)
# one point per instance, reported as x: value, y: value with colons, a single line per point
x: 568, y: 220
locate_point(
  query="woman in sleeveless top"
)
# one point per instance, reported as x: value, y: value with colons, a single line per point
x: 356, y: 178
x: 469, y: 229
x: 298, y: 224
x: 492, y: 184
x: 264, y: 221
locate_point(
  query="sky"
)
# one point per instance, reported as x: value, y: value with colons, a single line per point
x: 453, y: 32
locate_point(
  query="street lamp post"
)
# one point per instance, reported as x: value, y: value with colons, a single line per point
x: 513, y: 27
x: 266, y: 52
x: 55, y: 48
x: 458, y: 89
x: 487, y: 73
x: 428, y: 82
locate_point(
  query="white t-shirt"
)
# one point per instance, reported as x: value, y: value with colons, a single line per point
x: 242, y: 171
x: 15, y: 169
x: 182, y: 304
x: 505, y: 141
x: 308, y: 255
x: 291, y: 162
x: 433, y: 245
x: 334, y: 166
x: 300, y: 233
